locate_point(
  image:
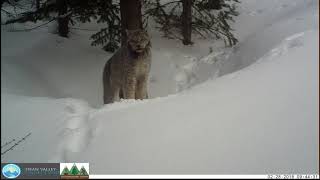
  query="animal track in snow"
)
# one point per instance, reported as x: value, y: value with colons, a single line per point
x: 289, y: 43
x: 76, y: 132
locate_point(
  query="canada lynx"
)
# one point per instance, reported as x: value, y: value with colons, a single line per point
x: 126, y: 73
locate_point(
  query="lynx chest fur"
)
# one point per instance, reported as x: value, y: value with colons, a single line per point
x: 126, y: 73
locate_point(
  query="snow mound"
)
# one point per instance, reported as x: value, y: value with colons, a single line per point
x: 262, y: 119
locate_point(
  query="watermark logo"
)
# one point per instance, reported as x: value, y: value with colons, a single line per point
x: 74, y: 170
x: 11, y: 171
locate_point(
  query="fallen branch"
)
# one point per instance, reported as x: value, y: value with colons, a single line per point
x: 7, y: 143
x: 15, y: 144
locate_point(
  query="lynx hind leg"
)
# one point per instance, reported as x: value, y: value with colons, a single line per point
x: 107, y: 97
x: 111, y: 93
x: 111, y: 90
x: 141, y: 91
x: 115, y: 93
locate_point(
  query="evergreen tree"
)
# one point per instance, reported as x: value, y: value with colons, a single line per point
x: 65, y: 12
x: 47, y: 10
x: 65, y: 171
x: 119, y: 17
x: 83, y: 172
x: 108, y: 37
x: 208, y: 18
x: 179, y: 19
x: 74, y: 170
x: 70, y: 12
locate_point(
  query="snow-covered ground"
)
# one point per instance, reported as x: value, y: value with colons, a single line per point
x: 248, y: 109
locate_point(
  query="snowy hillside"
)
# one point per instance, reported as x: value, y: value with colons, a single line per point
x: 248, y: 109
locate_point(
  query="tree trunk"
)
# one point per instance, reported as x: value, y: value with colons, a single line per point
x: 38, y: 4
x: 131, y: 17
x: 186, y: 21
x: 63, y: 19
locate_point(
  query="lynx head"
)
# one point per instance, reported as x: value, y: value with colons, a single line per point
x: 138, y: 40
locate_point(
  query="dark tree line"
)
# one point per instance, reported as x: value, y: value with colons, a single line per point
x: 178, y: 19
x: 181, y: 18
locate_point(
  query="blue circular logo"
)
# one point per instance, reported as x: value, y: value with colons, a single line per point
x: 11, y: 171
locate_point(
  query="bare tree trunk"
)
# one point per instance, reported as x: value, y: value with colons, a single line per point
x: 63, y: 19
x: 186, y: 21
x: 131, y: 17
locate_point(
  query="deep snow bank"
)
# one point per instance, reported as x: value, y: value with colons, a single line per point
x: 262, y: 119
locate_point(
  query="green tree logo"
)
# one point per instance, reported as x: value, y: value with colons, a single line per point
x: 83, y: 172
x: 74, y: 170
x: 65, y: 171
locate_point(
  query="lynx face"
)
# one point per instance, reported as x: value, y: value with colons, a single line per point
x: 138, y: 40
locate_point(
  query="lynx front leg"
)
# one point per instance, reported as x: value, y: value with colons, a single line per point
x: 130, y: 88
x: 116, y: 93
x: 141, y: 92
